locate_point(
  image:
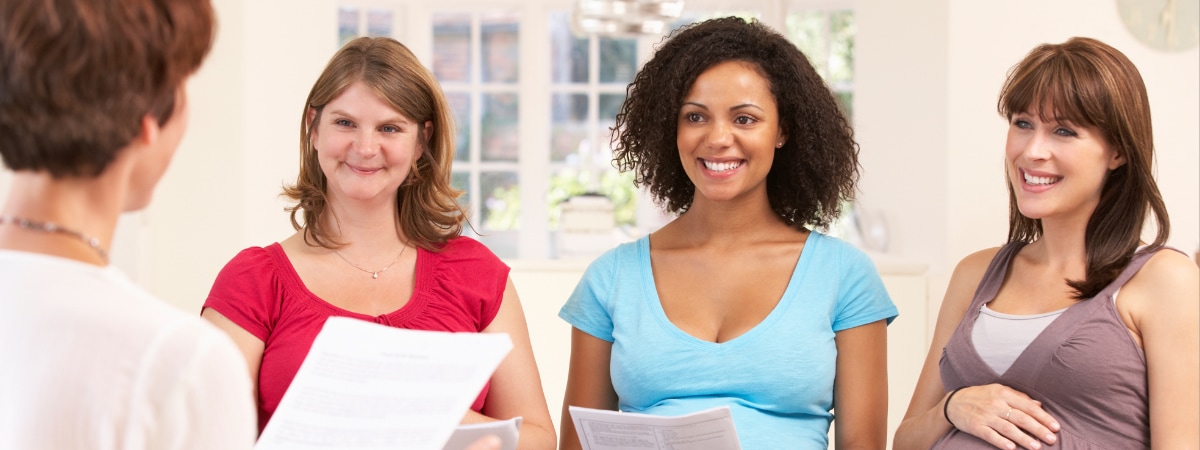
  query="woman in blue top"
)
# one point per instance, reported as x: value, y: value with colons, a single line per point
x: 736, y: 302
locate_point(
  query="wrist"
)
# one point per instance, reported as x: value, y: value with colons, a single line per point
x: 946, y: 406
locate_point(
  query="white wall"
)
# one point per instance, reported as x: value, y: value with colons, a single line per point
x: 927, y: 80
x: 221, y: 193
x: 928, y: 72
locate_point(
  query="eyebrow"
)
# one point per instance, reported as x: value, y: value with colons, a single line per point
x: 733, y: 108
x: 398, y: 119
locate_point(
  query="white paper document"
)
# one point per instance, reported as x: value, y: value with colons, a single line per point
x: 509, y: 431
x: 370, y: 386
x: 710, y: 429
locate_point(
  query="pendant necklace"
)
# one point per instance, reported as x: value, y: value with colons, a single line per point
x: 51, y: 227
x: 374, y: 273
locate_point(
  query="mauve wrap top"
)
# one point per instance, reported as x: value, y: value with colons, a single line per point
x: 1085, y: 368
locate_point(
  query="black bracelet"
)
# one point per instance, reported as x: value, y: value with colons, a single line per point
x: 946, y: 406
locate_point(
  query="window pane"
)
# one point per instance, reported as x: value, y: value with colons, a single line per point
x: 379, y: 22
x: 452, y: 47
x: 499, y: 128
x: 501, y: 206
x: 692, y: 16
x: 568, y: 126
x: 462, y: 182
x: 609, y: 105
x: 845, y: 99
x: 807, y: 31
x: 568, y: 54
x: 841, y: 51
x: 617, y: 186
x: 618, y: 60
x: 347, y: 24
x: 564, y: 184
x: 500, y: 47
x: 460, y: 103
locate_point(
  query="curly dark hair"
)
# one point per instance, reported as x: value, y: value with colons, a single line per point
x: 813, y: 173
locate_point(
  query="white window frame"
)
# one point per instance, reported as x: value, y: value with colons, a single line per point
x: 413, y: 27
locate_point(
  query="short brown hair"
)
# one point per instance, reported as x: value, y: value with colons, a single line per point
x: 426, y: 206
x: 1088, y: 83
x: 79, y: 75
x: 815, y: 170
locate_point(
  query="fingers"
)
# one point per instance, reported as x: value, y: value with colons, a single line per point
x: 1002, y: 416
x: 1028, y: 416
x: 489, y: 442
x: 1022, y: 429
x: 1042, y: 417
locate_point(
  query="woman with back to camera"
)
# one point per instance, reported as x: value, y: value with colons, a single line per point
x: 736, y: 302
x: 378, y: 239
x: 1033, y: 346
x: 93, y: 106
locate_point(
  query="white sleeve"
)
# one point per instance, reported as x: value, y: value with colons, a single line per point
x: 211, y: 406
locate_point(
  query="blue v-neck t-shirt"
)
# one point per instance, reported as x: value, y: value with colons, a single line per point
x: 777, y: 378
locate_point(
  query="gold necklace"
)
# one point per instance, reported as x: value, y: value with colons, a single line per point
x: 374, y: 273
x: 51, y: 227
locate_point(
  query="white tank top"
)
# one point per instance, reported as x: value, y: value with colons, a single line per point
x: 1000, y: 338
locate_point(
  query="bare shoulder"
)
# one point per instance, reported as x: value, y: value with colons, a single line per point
x: 1168, y: 280
x: 294, y: 246
x: 1168, y: 267
x: 970, y: 270
x: 963, y: 283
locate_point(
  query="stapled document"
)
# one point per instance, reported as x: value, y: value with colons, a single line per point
x: 710, y: 429
x: 509, y: 432
x: 370, y: 386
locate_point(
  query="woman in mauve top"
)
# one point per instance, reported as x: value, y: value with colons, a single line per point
x: 1075, y: 334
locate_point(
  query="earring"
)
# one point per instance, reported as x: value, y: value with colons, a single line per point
x: 779, y: 145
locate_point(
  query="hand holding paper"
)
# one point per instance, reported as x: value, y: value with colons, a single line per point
x: 710, y: 429
x: 365, y: 385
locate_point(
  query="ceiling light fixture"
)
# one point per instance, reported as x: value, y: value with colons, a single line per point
x: 624, y: 17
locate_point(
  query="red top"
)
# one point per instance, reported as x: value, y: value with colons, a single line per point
x: 458, y: 288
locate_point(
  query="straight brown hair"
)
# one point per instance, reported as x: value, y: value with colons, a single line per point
x: 1088, y: 83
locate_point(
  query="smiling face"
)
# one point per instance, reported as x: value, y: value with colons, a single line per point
x: 1056, y: 168
x: 728, y: 131
x: 365, y: 147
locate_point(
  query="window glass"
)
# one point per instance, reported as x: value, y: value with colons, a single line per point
x: 609, y: 105
x: 462, y: 182
x: 568, y: 129
x: 452, y: 47
x: 841, y: 46
x: 568, y: 53
x: 618, y: 60
x: 500, y: 47
x: 827, y: 38
x: 474, y: 53
x: 460, y: 103
x: 501, y: 207
x: 498, y: 128
x: 347, y: 24
x: 379, y: 22
x: 808, y: 32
